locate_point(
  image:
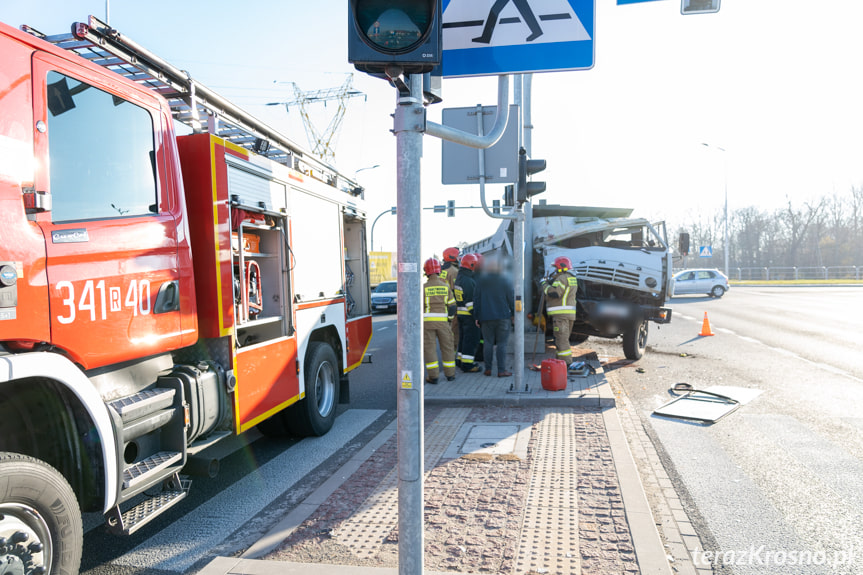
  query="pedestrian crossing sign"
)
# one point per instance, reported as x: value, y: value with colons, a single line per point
x: 705, y: 252
x: 493, y: 37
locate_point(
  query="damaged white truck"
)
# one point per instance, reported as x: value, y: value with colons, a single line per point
x: 623, y: 266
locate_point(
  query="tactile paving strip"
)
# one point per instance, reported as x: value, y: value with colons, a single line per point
x: 549, y: 535
x: 365, y: 531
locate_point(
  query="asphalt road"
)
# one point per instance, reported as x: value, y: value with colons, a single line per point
x: 372, y: 386
x: 260, y: 480
x: 777, y: 486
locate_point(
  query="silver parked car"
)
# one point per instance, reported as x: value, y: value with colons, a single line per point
x: 710, y: 282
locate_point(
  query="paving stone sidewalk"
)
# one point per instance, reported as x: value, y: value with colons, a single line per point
x: 543, y: 496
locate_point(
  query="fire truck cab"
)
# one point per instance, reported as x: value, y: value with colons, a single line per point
x: 158, y: 292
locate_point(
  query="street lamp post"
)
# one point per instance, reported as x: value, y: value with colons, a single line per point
x: 392, y: 211
x: 725, y: 158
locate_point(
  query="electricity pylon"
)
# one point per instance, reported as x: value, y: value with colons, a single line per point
x: 323, y: 142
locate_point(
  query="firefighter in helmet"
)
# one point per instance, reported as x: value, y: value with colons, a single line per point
x: 468, y: 338
x: 439, y: 307
x: 448, y: 273
x: 560, y: 305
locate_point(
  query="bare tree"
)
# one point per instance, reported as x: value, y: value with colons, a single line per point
x: 822, y: 232
x: 797, y: 222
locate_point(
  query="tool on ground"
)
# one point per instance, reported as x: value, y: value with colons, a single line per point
x: 581, y: 369
x: 705, y: 327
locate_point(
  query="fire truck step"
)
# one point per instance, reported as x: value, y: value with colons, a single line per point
x: 153, y: 467
x: 135, y: 518
x: 143, y: 403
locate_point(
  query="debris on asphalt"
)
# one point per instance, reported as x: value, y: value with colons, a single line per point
x: 697, y: 405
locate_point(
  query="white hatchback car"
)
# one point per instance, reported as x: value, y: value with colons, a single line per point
x: 710, y: 282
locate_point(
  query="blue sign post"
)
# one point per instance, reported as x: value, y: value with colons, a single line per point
x: 517, y: 36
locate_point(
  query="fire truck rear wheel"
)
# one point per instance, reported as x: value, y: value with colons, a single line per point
x: 315, y: 414
x: 40, y: 515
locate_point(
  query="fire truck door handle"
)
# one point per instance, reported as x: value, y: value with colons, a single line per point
x: 168, y: 298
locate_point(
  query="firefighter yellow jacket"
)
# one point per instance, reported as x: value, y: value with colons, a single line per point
x: 438, y: 299
x: 560, y: 295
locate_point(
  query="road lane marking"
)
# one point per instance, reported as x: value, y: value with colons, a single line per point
x: 188, y: 540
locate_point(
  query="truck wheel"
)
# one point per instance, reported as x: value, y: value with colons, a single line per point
x: 577, y: 338
x: 717, y: 291
x: 39, y: 518
x: 315, y: 414
x: 635, y: 341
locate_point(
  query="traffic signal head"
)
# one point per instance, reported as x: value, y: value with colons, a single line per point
x: 450, y: 208
x: 527, y: 168
x: 683, y: 244
x: 394, y: 37
x: 509, y: 195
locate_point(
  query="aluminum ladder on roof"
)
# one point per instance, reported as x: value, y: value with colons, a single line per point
x: 190, y: 101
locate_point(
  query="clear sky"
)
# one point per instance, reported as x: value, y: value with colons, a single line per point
x: 777, y: 84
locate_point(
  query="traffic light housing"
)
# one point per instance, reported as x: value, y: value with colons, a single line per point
x: 450, y: 208
x: 389, y: 38
x: 495, y: 206
x: 509, y: 195
x: 527, y: 168
x: 683, y: 244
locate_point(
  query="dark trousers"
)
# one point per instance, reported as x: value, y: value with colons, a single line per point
x: 495, y: 333
x: 468, y: 340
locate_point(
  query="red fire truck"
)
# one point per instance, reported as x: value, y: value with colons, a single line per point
x: 158, y: 292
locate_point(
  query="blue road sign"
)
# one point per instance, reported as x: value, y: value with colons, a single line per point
x: 705, y: 252
x: 517, y: 36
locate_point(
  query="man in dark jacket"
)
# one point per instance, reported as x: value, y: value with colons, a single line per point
x: 493, y: 310
x: 464, y: 297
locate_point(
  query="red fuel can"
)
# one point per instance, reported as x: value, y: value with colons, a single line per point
x: 553, y: 374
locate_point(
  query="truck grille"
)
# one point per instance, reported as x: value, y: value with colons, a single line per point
x: 607, y: 274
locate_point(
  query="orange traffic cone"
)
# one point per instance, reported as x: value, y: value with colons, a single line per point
x: 705, y: 327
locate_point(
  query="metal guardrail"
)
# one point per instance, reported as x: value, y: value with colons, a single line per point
x: 795, y: 273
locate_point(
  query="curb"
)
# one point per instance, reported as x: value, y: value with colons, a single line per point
x: 520, y: 401
x: 238, y: 566
x: 649, y: 550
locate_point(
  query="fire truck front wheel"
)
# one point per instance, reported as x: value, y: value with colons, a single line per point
x: 317, y: 412
x: 40, y: 521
